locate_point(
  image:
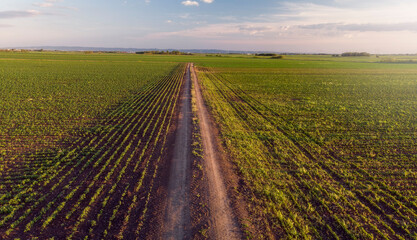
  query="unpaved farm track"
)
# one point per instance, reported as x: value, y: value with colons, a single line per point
x: 177, y: 219
x: 223, y: 223
x: 177, y: 216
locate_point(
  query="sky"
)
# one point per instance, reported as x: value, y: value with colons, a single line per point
x: 321, y: 26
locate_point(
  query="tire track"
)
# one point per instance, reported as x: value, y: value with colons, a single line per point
x: 177, y: 215
x: 252, y: 103
x: 223, y: 224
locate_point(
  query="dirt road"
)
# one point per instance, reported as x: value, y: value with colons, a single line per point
x: 177, y: 220
x: 177, y: 215
x: 223, y: 224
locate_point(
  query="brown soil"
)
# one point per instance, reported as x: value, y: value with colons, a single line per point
x: 176, y: 223
x: 198, y: 205
x: 223, y: 223
x: 82, y: 177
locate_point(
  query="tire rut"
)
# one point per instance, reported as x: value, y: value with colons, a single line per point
x: 223, y: 224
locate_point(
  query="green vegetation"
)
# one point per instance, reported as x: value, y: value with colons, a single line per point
x: 174, y: 52
x: 103, y: 129
x: 44, y: 101
x: 355, y: 54
x: 326, y: 149
x: 272, y: 55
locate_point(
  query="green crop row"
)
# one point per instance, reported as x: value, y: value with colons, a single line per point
x: 81, y: 180
x: 283, y: 129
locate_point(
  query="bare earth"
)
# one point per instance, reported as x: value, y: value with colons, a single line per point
x: 177, y: 216
x: 177, y: 219
x: 223, y: 224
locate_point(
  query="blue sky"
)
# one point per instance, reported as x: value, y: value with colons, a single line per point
x: 334, y: 26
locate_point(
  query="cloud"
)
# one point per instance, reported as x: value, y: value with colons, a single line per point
x: 374, y: 13
x: 185, y: 16
x: 370, y: 27
x: 255, y: 30
x: 207, y: 32
x: 52, y: 4
x: 190, y: 3
x: 18, y: 14
x: 44, y: 4
x: 223, y: 31
x: 228, y: 18
x: 207, y: 1
x: 306, y: 21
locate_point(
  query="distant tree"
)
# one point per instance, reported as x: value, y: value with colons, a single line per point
x: 355, y: 54
x: 174, y: 52
x: 266, y: 54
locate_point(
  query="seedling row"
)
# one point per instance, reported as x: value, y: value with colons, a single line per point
x: 104, y: 176
x: 300, y: 185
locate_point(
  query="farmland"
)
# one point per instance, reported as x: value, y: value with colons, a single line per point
x: 71, y: 169
x: 317, y: 147
x: 327, y: 149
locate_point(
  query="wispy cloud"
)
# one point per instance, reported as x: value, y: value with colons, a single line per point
x: 220, y: 31
x: 190, y: 3
x: 53, y: 4
x: 255, y: 30
x: 377, y: 13
x: 184, y: 16
x: 18, y: 14
x: 308, y: 21
x: 303, y: 25
x: 227, y: 18
x: 277, y: 31
x: 305, y: 19
x: 382, y: 27
x: 46, y: 3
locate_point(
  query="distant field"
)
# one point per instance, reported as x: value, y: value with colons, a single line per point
x: 44, y: 100
x: 327, y: 148
x: 324, y: 147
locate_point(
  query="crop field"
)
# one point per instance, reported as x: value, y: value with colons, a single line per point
x: 325, y: 148
x: 317, y: 147
x: 82, y: 143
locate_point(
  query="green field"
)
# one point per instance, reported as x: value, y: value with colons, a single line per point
x: 82, y: 142
x: 324, y: 147
x: 47, y: 99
